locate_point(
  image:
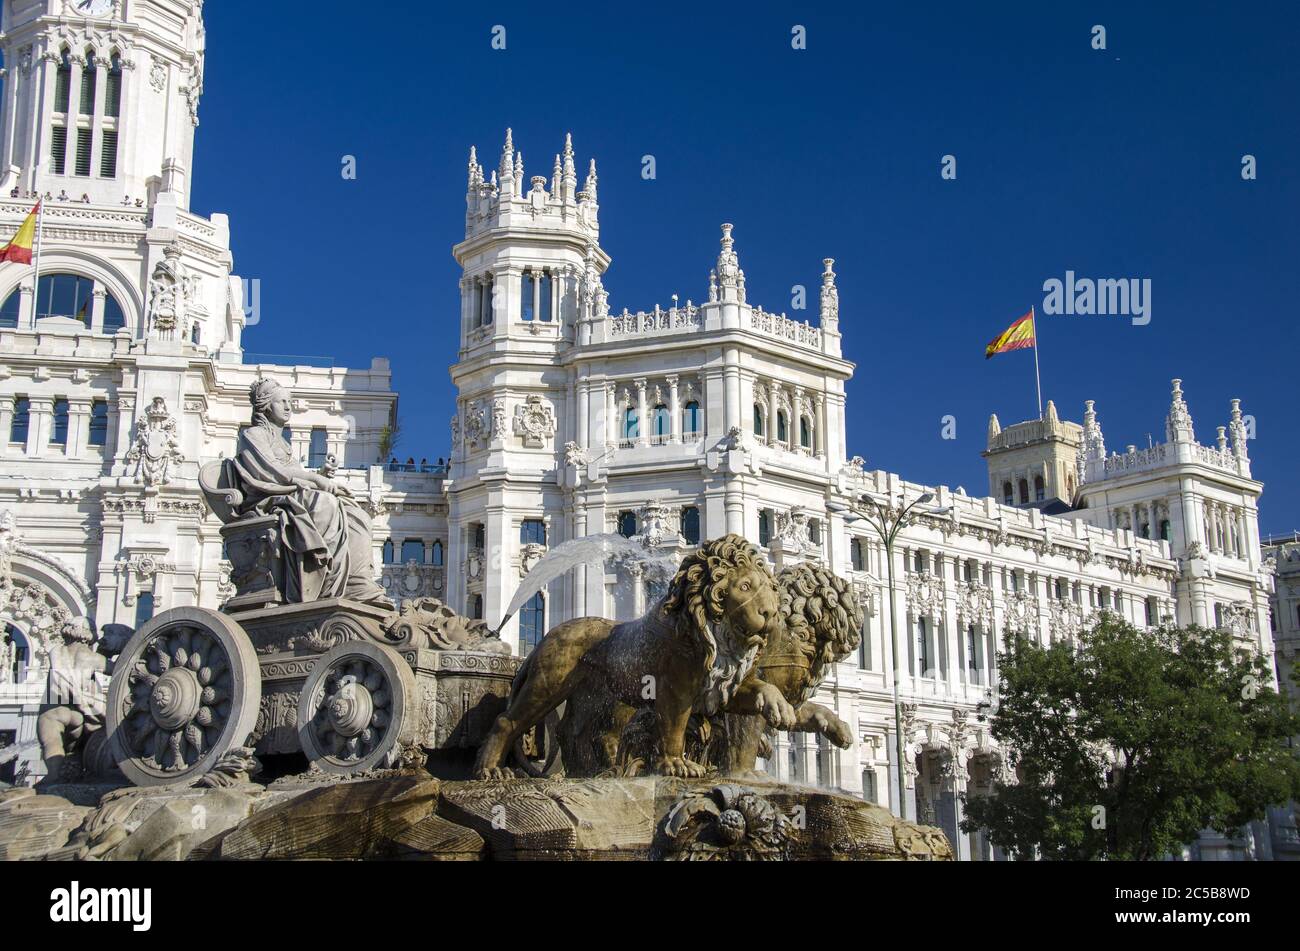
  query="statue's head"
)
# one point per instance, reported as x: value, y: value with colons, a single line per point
x: 822, y: 613
x: 726, y: 586
x: 270, y: 402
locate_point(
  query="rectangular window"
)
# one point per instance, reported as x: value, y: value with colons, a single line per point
x: 59, y: 431
x: 83, y: 152
x: 317, y: 450
x: 22, y: 418
x: 532, y: 531
x: 869, y: 785
x: 478, y: 535
x: 108, y: 157
x: 764, y: 528
x: 98, y: 423
x: 545, y: 302
x: 864, y: 647
x: 59, y: 150
x: 63, y: 89
x: 413, y: 550
x: 529, y: 286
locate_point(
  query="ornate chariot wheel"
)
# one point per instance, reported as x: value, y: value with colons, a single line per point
x: 537, y: 752
x: 185, y: 690
x: 357, y: 708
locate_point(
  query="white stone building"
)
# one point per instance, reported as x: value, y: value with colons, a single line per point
x: 673, y: 424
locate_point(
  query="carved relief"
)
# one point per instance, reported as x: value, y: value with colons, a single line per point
x: 534, y: 422
x: 157, y: 445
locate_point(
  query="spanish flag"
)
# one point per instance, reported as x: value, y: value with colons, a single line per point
x: 1016, y: 337
x: 19, y: 250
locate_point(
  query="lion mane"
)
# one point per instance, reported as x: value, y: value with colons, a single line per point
x: 696, y: 592
x: 822, y: 614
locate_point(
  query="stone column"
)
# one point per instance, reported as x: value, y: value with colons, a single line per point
x: 97, y: 310
x: 78, y: 428
x: 39, y: 420
x: 819, y: 436
x: 674, y: 410
x: 731, y: 396
x: 6, y: 422
x: 643, y: 422
x: 773, y: 392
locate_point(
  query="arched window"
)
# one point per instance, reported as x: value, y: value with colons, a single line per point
x: 758, y: 420
x: 1038, y: 488
x: 17, y: 653
x: 89, y: 77
x: 691, y: 419
x: 627, y: 524
x: 1024, y: 490
x: 196, y: 333
x: 691, y: 525
x: 661, y: 421
x: 113, y: 92
x: 62, y: 100
x: 413, y: 550
x: 782, y: 429
x: 65, y: 295
x: 1007, y: 496
x: 532, y: 531
x: 805, y: 433
x: 436, y: 555
x: 532, y: 623
x: 631, y: 424
x: 1164, y: 529
x: 388, y: 551
x: 526, y: 311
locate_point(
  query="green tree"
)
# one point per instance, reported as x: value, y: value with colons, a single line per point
x: 1128, y: 743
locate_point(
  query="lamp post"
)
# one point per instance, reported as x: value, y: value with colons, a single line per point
x: 888, y: 526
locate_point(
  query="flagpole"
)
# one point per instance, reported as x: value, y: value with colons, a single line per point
x: 35, y: 263
x: 1038, y: 381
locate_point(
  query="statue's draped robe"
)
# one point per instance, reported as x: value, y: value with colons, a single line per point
x: 326, y: 536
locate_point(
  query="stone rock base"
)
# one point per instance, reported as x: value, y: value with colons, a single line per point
x: 411, y: 815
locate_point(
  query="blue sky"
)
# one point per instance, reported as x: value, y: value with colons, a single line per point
x: 1122, y: 163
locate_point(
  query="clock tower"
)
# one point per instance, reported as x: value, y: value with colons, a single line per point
x: 101, y: 98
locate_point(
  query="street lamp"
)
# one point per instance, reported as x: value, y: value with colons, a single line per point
x: 887, y: 526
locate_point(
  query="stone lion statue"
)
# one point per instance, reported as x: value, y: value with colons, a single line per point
x: 690, y: 652
x: 819, y: 624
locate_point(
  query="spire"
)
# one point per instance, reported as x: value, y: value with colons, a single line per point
x: 591, y: 182
x: 995, y: 428
x: 1094, y: 443
x: 1178, y: 424
x: 830, y: 310
x: 475, y: 170
x: 728, y: 269
x: 569, y: 181
x: 1237, y: 428
x: 508, y: 156
x: 519, y: 172
x: 555, y: 177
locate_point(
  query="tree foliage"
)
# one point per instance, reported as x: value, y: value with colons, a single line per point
x: 1128, y: 743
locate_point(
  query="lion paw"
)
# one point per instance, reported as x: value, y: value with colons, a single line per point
x: 679, y: 766
x: 835, y: 730
x: 494, y: 774
x: 776, y: 710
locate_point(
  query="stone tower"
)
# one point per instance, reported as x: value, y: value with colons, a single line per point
x: 530, y: 291
x: 1034, y: 463
x: 101, y: 97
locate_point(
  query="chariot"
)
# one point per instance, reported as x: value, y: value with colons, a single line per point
x: 352, y: 686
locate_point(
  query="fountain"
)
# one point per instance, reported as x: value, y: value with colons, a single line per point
x: 590, y: 551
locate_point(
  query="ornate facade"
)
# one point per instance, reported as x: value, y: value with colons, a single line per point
x: 672, y: 424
